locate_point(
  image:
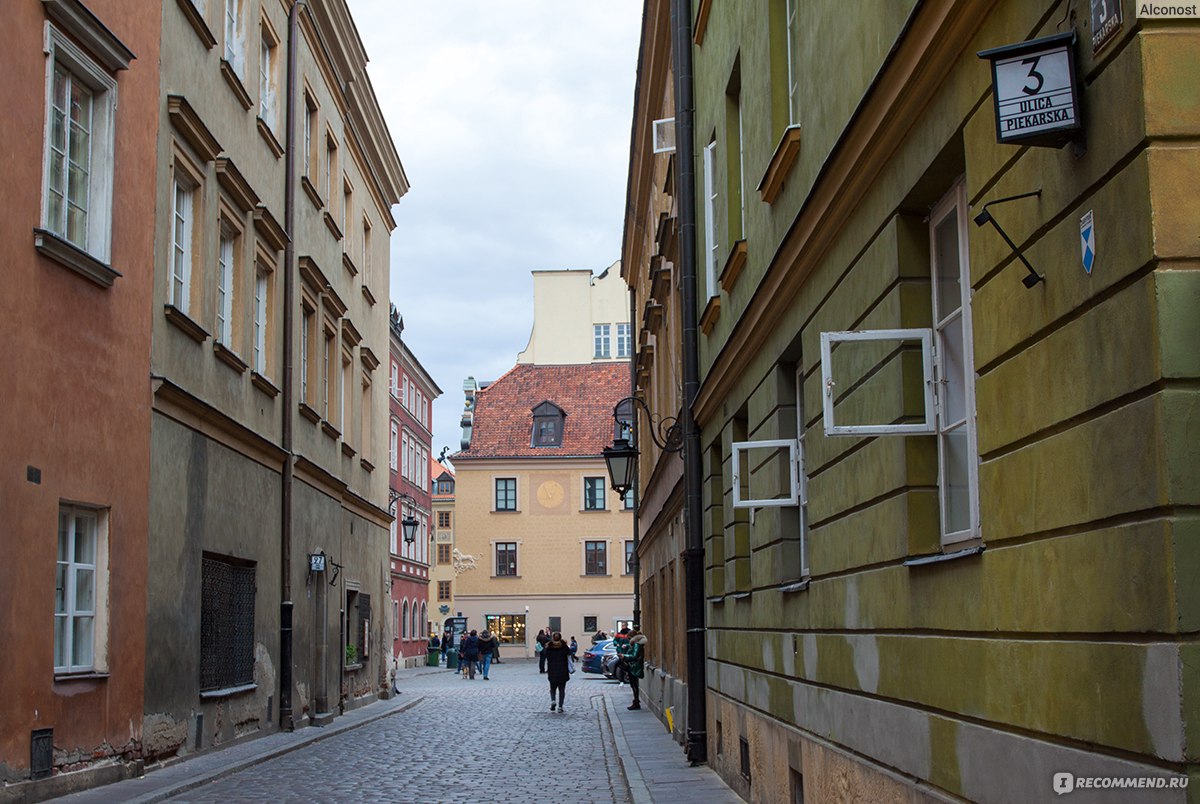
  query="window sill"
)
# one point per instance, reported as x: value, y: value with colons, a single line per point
x: 332, y: 226
x: 780, y: 165
x: 311, y: 191
x: 795, y: 586
x: 595, y: 575
x: 331, y: 431
x: 352, y: 667
x: 733, y: 266
x: 226, y: 692
x: 263, y: 384
x: 229, y: 358
x: 938, y: 558
x: 593, y: 511
x: 715, y: 599
x: 505, y: 511
x: 352, y: 269
x: 70, y: 256
x: 499, y: 577
x: 87, y: 675
x: 196, y: 20
x: 348, y: 450
x: 235, y: 83
x: 367, y: 465
x: 264, y: 131
x: 181, y: 320
x: 309, y: 413
x: 739, y: 595
x: 712, y: 311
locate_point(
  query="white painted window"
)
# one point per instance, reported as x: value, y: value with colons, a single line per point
x: 305, y: 351
x: 593, y: 494
x: 764, y: 473
x: 344, y: 414
x: 81, y: 104
x: 327, y: 375
x: 711, y: 246
x: 81, y: 587
x: 663, y: 135
x: 601, y: 341
x: 259, y: 358
x: 235, y: 48
x: 945, y: 405
x: 624, y: 340
x: 268, y: 81
x: 741, y: 187
x: 225, y: 257
x: 394, y: 447
x: 310, y: 124
x: 182, y: 224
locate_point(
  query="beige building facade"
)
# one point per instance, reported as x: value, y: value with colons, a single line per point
x: 578, y: 317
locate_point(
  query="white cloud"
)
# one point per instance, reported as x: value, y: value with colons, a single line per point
x: 512, y: 121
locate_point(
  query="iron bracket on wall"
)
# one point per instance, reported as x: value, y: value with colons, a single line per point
x: 1033, y: 277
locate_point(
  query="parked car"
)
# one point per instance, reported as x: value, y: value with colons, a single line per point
x: 592, y: 656
x: 611, y: 667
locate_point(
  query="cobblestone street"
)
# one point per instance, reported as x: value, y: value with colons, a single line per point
x: 447, y: 739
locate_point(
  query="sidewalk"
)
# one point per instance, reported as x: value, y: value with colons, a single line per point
x: 655, y: 766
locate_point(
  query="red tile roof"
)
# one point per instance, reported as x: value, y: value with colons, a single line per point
x: 503, y: 425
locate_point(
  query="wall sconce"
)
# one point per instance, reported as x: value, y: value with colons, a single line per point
x: 408, y: 525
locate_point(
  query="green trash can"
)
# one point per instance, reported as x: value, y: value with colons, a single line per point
x: 433, y: 654
x: 452, y: 659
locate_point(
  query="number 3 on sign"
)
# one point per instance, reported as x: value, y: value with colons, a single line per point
x: 1035, y: 75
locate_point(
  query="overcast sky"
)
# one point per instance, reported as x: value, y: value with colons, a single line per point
x: 512, y: 119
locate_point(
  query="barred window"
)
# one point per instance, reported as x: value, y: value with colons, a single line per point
x: 226, y: 623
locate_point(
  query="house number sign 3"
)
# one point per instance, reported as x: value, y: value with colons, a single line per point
x: 1034, y: 90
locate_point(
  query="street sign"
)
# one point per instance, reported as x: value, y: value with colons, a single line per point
x: 1106, y: 21
x: 1034, y: 91
x: 1087, y: 241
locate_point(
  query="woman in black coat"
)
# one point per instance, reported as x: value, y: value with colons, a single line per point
x: 558, y: 660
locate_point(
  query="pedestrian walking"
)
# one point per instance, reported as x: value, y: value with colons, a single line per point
x: 470, y: 653
x: 543, y: 639
x: 487, y: 647
x: 558, y: 658
x: 634, y: 656
x: 574, y: 646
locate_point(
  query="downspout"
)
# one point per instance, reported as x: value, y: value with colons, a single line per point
x: 634, y: 564
x: 289, y: 295
x: 696, y: 743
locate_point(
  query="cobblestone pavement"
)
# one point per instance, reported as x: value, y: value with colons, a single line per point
x: 497, y: 740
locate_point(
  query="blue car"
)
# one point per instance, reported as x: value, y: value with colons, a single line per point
x: 593, y: 656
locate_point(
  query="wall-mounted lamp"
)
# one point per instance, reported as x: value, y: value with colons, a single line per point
x: 1033, y: 277
x: 408, y: 525
x: 621, y: 457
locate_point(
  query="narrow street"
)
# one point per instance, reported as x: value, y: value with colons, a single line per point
x: 447, y: 739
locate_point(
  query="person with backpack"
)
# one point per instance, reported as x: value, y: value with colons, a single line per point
x: 488, y: 647
x: 470, y: 653
x: 633, y: 655
x: 558, y: 658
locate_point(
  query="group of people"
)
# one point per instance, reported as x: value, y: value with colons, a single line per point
x: 476, y: 652
x: 556, y: 658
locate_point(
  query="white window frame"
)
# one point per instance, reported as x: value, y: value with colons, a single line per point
x: 624, y: 340
x: 394, y: 447
x: 829, y: 382
x: 791, y: 15
x: 663, y: 135
x: 61, y: 51
x: 599, y: 482
x: 601, y: 341
x: 183, y: 223
x: 583, y: 543
x: 711, y: 196
x: 516, y: 573
x: 268, y: 72
x: 935, y: 372
x: 226, y: 254
x: 98, y: 567
x: 235, y: 46
x: 261, y: 291
x: 793, y: 447
x: 741, y: 144
x: 496, y: 495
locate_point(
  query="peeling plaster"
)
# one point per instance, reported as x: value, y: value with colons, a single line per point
x: 1162, y: 700
x: 866, y: 661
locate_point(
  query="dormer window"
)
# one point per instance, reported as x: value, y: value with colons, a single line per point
x: 547, y: 425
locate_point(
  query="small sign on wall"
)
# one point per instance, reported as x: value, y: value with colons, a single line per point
x: 1106, y: 22
x: 1034, y: 91
x: 1087, y: 240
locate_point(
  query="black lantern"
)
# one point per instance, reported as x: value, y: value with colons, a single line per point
x: 621, y: 459
x: 409, y: 526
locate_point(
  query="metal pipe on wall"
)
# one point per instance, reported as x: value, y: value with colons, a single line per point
x: 696, y: 743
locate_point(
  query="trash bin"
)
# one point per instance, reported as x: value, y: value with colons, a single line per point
x: 452, y: 659
x: 433, y: 658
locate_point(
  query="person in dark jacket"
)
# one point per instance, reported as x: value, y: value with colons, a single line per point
x: 542, y: 639
x: 634, y: 655
x: 558, y: 658
x: 470, y: 653
x: 487, y: 651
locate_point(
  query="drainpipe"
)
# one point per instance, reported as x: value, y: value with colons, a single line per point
x: 289, y: 296
x: 696, y: 743
x: 635, y: 565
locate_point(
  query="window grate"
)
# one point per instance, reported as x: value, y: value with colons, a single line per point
x: 226, y: 624
x: 745, y: 748
x: 41, y: 753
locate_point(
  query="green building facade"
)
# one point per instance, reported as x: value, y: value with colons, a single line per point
x: 987, y: 580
